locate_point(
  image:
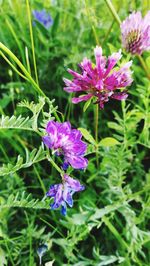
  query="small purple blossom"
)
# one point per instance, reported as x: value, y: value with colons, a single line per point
x: 66, y: 142
x: 100, y: 81
x: 43, y: 17
x: 136, y: 33
x: 62, y: 193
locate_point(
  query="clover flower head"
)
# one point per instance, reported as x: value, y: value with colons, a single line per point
x: 43, y: 17
x: 100, y: 81
x: 136, y: 33
x: 66, y: 142
x: 62, y: 193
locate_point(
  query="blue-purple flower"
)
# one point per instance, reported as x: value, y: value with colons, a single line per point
x: 43, y: 17
x: 62, y: 193
x: 66, y: 142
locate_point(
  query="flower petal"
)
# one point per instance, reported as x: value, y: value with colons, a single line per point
x: 77, y: 162
x: 81, y: 98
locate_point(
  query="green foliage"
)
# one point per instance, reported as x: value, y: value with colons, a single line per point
x: 109, y: 222
x: 35, y: 156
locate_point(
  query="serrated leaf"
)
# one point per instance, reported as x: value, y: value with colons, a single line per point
x: 107, y: 142
x: 22, y: 200
x: 31, y: 158
x: 87, y: 135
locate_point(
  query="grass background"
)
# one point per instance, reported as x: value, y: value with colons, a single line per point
x: 109, y: 223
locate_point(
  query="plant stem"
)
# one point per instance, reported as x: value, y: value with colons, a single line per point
x: 144, y: 65
x: 13, y: 67
x: 26, y: 73
x: 96, y: 122
x: 113, y: 11
x: 96, y: 131
x: 17, y: 61
x: 55, y: 165
x: 32, y: 41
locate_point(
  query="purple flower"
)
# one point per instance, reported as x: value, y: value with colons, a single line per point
x: 100, y: 81
x: 43, y: 17
x: 66, y: 142
x: 136, y: 33
x: 62, y: 193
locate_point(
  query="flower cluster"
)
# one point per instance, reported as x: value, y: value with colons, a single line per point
x: 136, y: 33
x: 66, y: 142
x: 43, y: 17
x: 100, y: 81
x: 62, y: 193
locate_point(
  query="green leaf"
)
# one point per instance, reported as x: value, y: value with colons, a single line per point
x: 86, y: 105
x: 107, y: 142
x: 21, y: 200
x: 148, y: 62
x: 2, y: 257
x: 33, y: 157
x: 87, y: 135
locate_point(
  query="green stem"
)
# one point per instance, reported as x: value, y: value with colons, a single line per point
x: 13, y: 67
x: 96, y: 122
x: 96, y: 131
x: 144, y: 65
x: 15, y: 38
x: 40, y: 180
x: 113, y: 11
x: 55, y: 165
x: 26, y: 73
x: 32, y: 41
x: 27, y: 60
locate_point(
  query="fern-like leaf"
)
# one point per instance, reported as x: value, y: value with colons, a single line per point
x: 22, y: 200
x: 19, y: 122
x: 31, y: 158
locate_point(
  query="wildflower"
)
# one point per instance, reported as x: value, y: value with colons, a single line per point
x: 66, y: 142
x: 62, y: 193
x: 136, y: 33
x: 43, y: 17
x: 42, y: 249
x: 101, y: 81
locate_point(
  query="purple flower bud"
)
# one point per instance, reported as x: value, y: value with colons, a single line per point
x: 43, y: 17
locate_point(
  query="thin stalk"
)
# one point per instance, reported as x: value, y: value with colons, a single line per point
x: 40, y: 180
x: 92, y: 24
x: 26, y: 73
x: 115, y: 232
x: 96, y: 122
x: 55, y: 165
x: 16, y: 38
x: 27, y: 60
x: 144, y: 65
x: 32, y: 41
x: 113, y: 11
x: 12, y: 66
x: 96, y: 132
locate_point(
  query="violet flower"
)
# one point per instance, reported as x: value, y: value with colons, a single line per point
x: 136, y: 33
x: 43, y: 17
x: 66, y: 142
x: 101, y: 82
x: 62, y: 193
